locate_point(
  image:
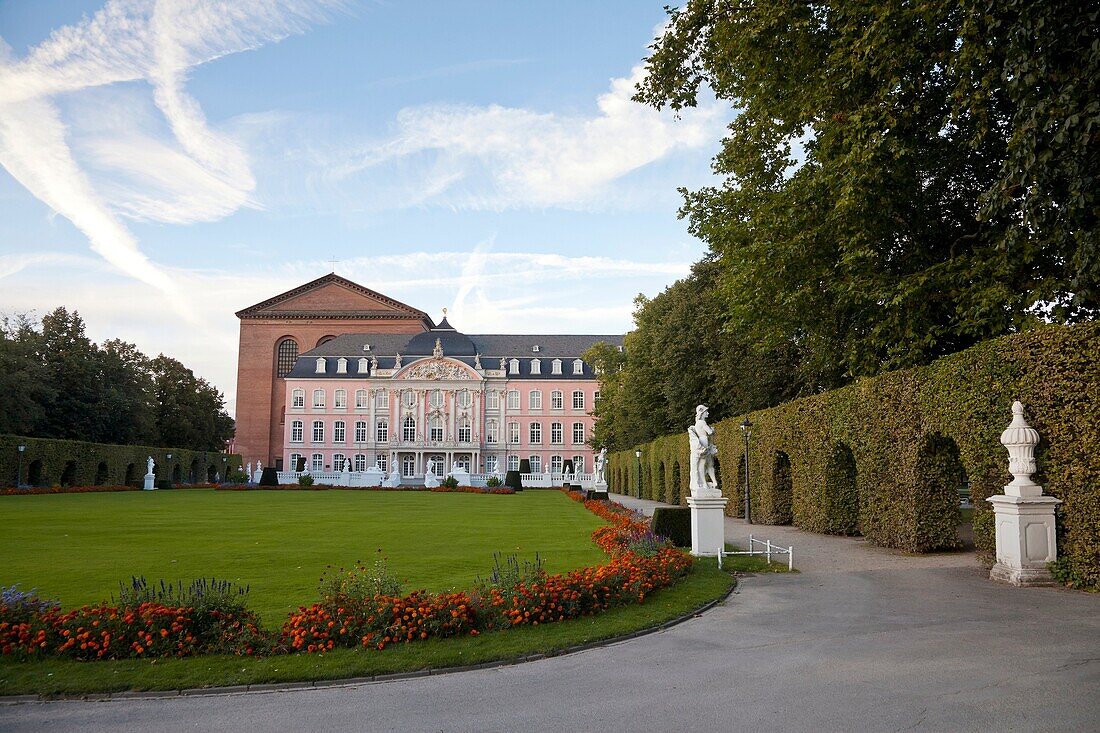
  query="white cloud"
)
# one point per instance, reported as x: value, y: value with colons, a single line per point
x: 201, y: 174
x: 498, y: 157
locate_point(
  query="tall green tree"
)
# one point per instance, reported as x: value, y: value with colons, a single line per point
x: 881, y: 204
x: 23, y: 381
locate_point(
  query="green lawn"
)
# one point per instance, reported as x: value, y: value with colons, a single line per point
x: 76, y: 548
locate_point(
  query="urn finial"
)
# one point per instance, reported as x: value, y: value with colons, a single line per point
x: 1020, y: 440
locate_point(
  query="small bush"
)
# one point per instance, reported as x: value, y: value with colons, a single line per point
x: 512, y: 479
x: 674, y: 523
x: 359, y: 583
x: 493, y: 482
x: 450, y: 482
x: 305, y: 480
x: 524, y: 465
x: 270, y: 477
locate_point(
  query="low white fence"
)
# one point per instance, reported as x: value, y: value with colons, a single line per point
x: 768, y: 550
x: 376, y: 478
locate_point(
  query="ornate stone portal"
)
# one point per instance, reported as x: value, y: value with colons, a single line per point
x: 1026, y: 540
x: 708, y: 506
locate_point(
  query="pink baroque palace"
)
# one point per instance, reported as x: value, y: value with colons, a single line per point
x: 439, y: 399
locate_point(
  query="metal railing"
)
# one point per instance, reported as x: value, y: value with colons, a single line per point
x: 768, y: 551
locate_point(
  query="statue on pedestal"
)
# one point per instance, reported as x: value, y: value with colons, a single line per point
x: 149, y: 466
x: 601, y: 467
x: 704, y: 483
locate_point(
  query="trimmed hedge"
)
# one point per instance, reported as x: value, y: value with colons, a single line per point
x: 75, y: 463
x: 673, y: 522
x: 885, y: 456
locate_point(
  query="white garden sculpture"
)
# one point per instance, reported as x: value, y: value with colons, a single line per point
x: 708, y: 506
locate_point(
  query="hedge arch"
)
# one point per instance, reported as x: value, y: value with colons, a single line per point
x: 782, y: 490
x: 101, y: 474
x: 34, y: 473
x: 211, y: 473
x: 131, y: 474
x: 177, y: 473
x: 943, y: 478
x: 840, y: 492
x: 68, y: 474
x: 195, y: 471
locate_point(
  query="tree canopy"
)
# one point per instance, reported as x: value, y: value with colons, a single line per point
x: 59, y: 384
x: 902, y: 179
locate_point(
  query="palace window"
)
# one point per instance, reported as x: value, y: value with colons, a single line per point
x: 360, y: 399
x: 536, y: 366
x: 464, y: 399
x: 556, y: 433
x: 556, y: 400
x: 578, y: 433
x: 382, y: 430
x: 513, y: 366
x: 285, y: 356
x: 578, y: 366
x: 578, y: 464
x: 535, y: 433
x: 298, y: 399
x: 436, y: 427
x: 360, y: 431
x: 535, y: 400
x: 536, y: 463
x: 555, y: 464
x: 408, y: 397
x: 513, y: 463
x: 382, y: 461
x: 408, y: 429
x: 555, y: 366
x: 341, y: 365
x: 318, y: 398
x: 296, y: 431
x: 492, y: 431
x: 340, y: 399
x: 320, y: 366
x: 338, y: 431
x: 317, y: 463
x: 294, y: 460
x: 363, y: 366
x: 318, y: 431
x: 382, y: 399
x: 360, y: 461
x: 596, y: 396
x: 408, y: 465
x: 435, y: 399
x: 491, y: 464
x: 338, y: 462
x: 578, y: 400
x: 513, y: 433
x: 492, y: 400
x: 464, y: 432
x: 513, y: 399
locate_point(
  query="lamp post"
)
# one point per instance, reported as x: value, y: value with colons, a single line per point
x: 746, y: 430
x: 19, y: 471
x: 638, y: 458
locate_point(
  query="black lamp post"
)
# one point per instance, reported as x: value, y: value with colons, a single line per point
x: 746, y: 430
x: 638, y: 457
x: 19, y: 471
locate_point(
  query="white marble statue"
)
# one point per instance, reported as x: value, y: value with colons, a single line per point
x: 347, y: 465
x: 477, y: 362
x: 397, y: 362
x: 601, y: 467
x: 704, y: 483
x: 149, y: 466
x: 503, y: 364
x: 373, y: 364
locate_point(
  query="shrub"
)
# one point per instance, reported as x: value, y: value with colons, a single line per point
x: 673, y: 523
x: 524, y: 465
x: 269, y: 477
x: 305, y: 480
x: 493, y: 482
x: 449, y: 482
x: 512, y: 480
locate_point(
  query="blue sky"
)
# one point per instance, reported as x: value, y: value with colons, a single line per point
x: 165, y: 164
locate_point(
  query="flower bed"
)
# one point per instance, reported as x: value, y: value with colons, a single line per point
x: 327, y: 487
x: 362, y: 609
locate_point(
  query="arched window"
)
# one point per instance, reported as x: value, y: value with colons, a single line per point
x: 578, y: 433
x: 464, y: 433
x: 298, y: 399
x: 534, y: 400
x: 555, y: 366
x: 536, y: 463
x: 360, y: 461
x: 318, y: 462
x: 360, y: 399
x: 325, y: 339
x: 286, y: 355
x: 556, y: 400
x: 435, y: 399
x: 578, y: 366
x: 578, y: 464
x: 464, y: 398
x: 296, y: 431
x: 513, y: 366
x: 408, y: 429
x: 555, y: 433
x: 536, y: 366
x: 513, y: 399
x: 492, y: 431
x: 294, y: 459
x: 578, y: 400
x: 318, y: 398
x: 408, y: 398
x: 556, y: 463
x: 535, y: 433
x: 382, y: 399
x: 338, y: 431
x: 338, y: 462
x: 436, y: 427
x: 360, y: 431
x: 340, y: 399
x: 382, y: 430
x: 318, y: 431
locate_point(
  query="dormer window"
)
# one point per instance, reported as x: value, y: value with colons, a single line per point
x: 620, y: 349
x: 555, y: 366
x: 578, y: 366
x: 535, y: 349
x: 341, y: 365
x: 320, y: 366
x: 536, y: 366
x: 366, y: 347
x: 513, y: 366
x: 363, y: 365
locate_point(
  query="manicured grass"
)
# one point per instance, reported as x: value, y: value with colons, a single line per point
x: 66, y: 677
x: 76, y: 548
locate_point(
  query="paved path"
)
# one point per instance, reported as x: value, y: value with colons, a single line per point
x: 863, y: 639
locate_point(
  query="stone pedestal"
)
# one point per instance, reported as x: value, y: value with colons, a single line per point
x: 1025, y: 539
x: 150, y: 481
x: 599, y: 485
x: 708, y: 525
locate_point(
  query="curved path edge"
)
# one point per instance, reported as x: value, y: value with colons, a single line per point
x: 375, y: 679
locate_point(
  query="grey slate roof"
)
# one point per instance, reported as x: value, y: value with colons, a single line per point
x: 456, y: 345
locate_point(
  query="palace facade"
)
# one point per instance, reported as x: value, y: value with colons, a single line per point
x: 382, y: 385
